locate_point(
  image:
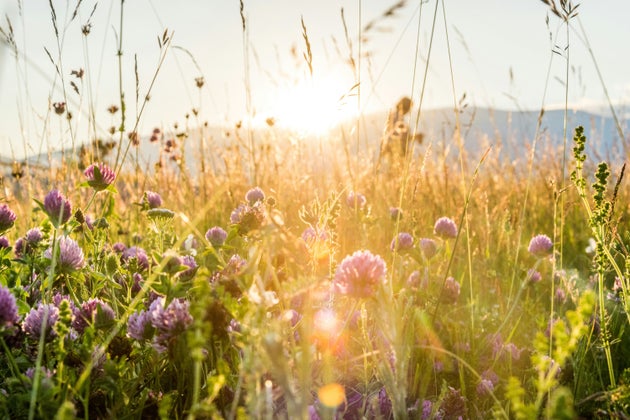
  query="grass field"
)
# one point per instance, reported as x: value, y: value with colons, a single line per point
x: 324, y: 280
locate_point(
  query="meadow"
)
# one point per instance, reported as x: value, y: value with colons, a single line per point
x: 326, y: 280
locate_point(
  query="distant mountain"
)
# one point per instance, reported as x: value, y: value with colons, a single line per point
x: 510, y: 132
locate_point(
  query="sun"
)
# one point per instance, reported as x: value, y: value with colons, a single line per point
x: 314, y: 105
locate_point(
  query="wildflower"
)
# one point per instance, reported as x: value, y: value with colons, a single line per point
x: 453, y: 404
x: 160, y: 214
x: 137, y: 283
x: 169, y: 322
x: 451, y: 290
x: 403, y: 242
x: 20, y: 244
x: 395, y: 213
x: 356, y: 200
x: 93, y: 311
x: 384, y: 404
x: 445, y: 228
x: 8, y: 308
x: 533, y: 276
x: 190, y: 245
x: 34, y: 321
x: 7, y: 218
x: 57, y: 207
x: 247, y: 217
x: 414, y: 280
x: 561, y: 295
x: 540, y: 246
x: 34, y: 236
x: 4, y: 242
x: 254, y: 195
x: 99, y: 176
x: 70, y: 254
x: 428, y: 247
x: 138, y: 254
x: 359, y: 274
x: 216, y: 236
x: 139, y: 325
x: 119, y: 247
x: 267, y: 298
x: 238, y: 213
x: 427, y: 409
x: 189, y: 273
x: 311, y: 235
x: 485, y: 387
x: 151, y: 200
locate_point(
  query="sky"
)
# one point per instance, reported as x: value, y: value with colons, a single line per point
x: 500, y: 57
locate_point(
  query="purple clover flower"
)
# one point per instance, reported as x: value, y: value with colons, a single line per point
x: 151, y: 200
x: 445, y: 228
x: 57, y: 207
x: 137, y: 253
x: 4, y: 242
x: 169, y: 322
x: 34, y: 236
x: 540, y: 246
x: 7, y: 218
x: 428, y: 248
x: 254, y: 195
x: 190, y: 262
x: 451, y: 290
x: 395, y: 213
x: 8, y: 308
x: 119, y: 247
x: 402, y: 242
x: 34, y: 321
x: 139, y: 325
x: 485, y: 387
x: 19, y: 246
x: 93, y: 311
x: 360, y: 274
x: 533, y: 276
x: 99, y: 176
x: 356, y: 200
x: 237, y: 214
x: 70, y: 254
x: 216, y: 236
x: 137, y: 283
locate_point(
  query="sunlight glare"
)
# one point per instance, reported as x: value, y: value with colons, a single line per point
x: 314, y: 106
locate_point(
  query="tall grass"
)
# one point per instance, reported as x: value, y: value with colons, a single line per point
x: 201, y: 296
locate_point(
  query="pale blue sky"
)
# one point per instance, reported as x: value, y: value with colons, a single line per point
x: 487, y: 39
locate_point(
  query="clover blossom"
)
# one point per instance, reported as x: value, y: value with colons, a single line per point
x: 57, y: 207
x: 139, y: 325
x: 356, y: 200
x: 70, y: 254
x: 151, y: 200
x: 137, y: 253
x: 216, y: 236
x: 402, y: 242
x: 8, y: 308
x: 254, y: 195
x: 428, y: 247
x: 34, y: 321
x: 99, y: 176
x: 7, y: 218
x: 169, y: 321
x: 359, y: 274
x: 93, y: 311
x: 540, y: 246
x: 445, y: 228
